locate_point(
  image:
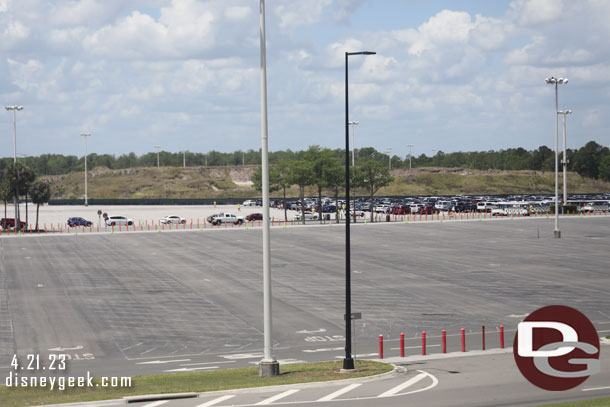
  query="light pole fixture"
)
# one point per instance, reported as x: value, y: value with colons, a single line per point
x: 564, y: 161
x: 410, y: 146
x: 158, y: 148
x: 85, y: 135
x: 353, y: 124
x: 389, y: 150
x: 348, y: 362
x: 15, y: 109
x: 556, y: 81
x: 268, y: 366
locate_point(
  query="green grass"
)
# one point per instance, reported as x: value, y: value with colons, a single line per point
x: 604, y: 402
x: 190, y: 382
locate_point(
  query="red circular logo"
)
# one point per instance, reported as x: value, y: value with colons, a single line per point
x: 556, y: 348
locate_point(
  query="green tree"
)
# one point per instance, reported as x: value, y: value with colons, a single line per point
x: 41, y: 193
x: 18, y: 177
x: 300, y: 173
x: 323, y: 165
x: 5, y: 195
x: 604, y: 168
x: 374, y: 176
x: 587, y: 159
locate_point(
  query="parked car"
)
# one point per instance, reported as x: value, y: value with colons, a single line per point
x: 227, y: 218
x: 172, y: 219
x: 76, y: 221
x: 249, y: 202
x: 9, y: 223
x: 118, y: 220
x: 308, y: 216
x: 254, y: 216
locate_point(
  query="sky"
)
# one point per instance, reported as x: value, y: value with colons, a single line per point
x: 185, y: 74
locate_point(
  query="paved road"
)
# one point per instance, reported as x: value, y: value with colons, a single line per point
x: 155, y: 302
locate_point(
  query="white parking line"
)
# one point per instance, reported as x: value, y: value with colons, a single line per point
x: 156, y: 403
x: 404, y: 385
x: 216, y: 401
x: 339, y: 392
x: 416, y: 347
x: 596, y: 388
x: 276, y: 397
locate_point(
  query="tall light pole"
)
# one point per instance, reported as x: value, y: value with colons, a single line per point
x: 556, y: 81
x: 15, y: 109
x: 410, y: 146
x: 389, y: 150
x: 183, y: 158
x: 268, y: 366
x: 348, y: 362
x: 158, y: 147
x: 85, y: 135
x: 564, y: 161
x: 353, y: 124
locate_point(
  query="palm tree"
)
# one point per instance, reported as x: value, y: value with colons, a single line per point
x: 41, y: 193
x: 5, y: 195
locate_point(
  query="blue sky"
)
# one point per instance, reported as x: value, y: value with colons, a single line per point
x: 183, y: 74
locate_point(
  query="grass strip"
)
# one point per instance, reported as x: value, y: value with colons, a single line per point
x: 225, y: 379
x: 603, y: 402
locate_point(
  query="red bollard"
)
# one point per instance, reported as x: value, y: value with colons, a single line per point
x: 444, y: 336
x: 501, y: 337
x: 483, y: 333
x: 402, y: 345
x: 380, y: 346
x: 463, y: 335
x: 423, y: 343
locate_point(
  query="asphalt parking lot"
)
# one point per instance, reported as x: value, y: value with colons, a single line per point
x: 118, y: 300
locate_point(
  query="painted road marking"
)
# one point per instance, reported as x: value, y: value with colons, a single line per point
x: 216, y: 401
x: 276, y: 397
x: 284, y: 361
x: 312, y: 332
x: 156, y: 403
x: 596, y: 388
x: 186, y: 369
x: 206, y: 363
x: 156, y: 362
x: 60, y: 349
x: 404, y: 385
x: 339, y: 392
x: 321, y: 350
x: 416, y: 347
x: 243, y: 356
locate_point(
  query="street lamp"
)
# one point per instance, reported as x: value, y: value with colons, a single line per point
x: 389, y: 150
x: 556, y: 81
x: 348, y: 362
x: 158, y: 147
x: 564, y: 161
x: 183, y: 158
x: 15, y: 109
x: 85, y: 135
x: 353, y: 124
x: 410, y: 145
x: 268, y: 366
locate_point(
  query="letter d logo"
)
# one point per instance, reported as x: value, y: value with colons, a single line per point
x: 526, y: 338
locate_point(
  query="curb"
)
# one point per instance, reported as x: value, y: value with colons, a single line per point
x: 158, y: 397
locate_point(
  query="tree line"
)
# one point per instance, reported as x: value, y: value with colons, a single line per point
x: 17, y: 181
x: 322, y: 169
x: 592, y: 160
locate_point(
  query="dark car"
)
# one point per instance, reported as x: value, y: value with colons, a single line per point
x: 76, y: 221
x: 254, y: 216
x: 9, y: 223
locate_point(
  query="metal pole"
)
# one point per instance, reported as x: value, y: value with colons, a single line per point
x: 556, y: 232
x: 348, y: 362
x: 183, y: 158
x: 85, y: 135
x: 565, y: 160
x: 15, y: 135
x: 268, y: 366
x: 410, y: 145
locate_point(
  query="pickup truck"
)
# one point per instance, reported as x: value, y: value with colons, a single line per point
x: 226, y: 218
x: 9, y: 223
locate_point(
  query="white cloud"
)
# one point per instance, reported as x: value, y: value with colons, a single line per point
x: 305, y: 12
x: 535, y: 12
x: 238, y: 13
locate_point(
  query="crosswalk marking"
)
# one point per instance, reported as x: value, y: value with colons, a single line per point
x: 276, y: 397
x: 339, y: 392
x: 216, y: 401
x: 404, y: 385
x: 156, y: 403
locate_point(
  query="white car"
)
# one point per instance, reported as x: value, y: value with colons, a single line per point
x: 118, y: 220
x: 226, y: 218
x: 249, y: 202
x: 173, y: 219
x: 308, y: 216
